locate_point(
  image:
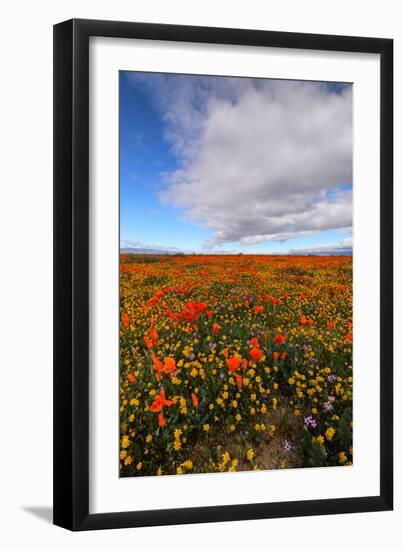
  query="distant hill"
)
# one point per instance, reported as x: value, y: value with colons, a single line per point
x: 148, y: 251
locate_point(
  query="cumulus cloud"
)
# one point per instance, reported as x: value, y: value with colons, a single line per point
x: 259, y: 160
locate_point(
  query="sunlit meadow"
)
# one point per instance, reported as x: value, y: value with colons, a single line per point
x: 234, y: 362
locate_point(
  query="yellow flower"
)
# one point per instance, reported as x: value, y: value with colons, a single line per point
x: 238, y: 417
x: 342, y: 457
x: 125, y: 442
x: 179, y: 470
x: 188, y: 464
x: 123, y: 455
x: 250, y: 454
x: 206, y: 427
x: 139, y: 466
x: 128, y: 460
x: 149, y: 438
x: 329, y: 433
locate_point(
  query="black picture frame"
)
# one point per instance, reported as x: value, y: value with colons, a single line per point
x: 71, y: 274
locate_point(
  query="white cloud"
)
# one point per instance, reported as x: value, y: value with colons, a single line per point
x: 260, y: 160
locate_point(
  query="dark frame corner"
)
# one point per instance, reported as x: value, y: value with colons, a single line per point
x: 71, y: 274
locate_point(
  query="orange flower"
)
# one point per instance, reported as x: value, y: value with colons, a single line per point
x: 169, y: 365
x: 161, y: 419
x: 148, y: 341
x: 331, y: 325
x: 158, y: 366
x: 216, y: 328
x: 233, y: 363
x: 209, y: 313
x: 131, y: 378
x: 254, y: 343
x: 160, y: 401
x: 276, y: 355
x: 239, y: 381
x: 125, y: 320
x: 195, y: 401
x: 279, y: 339
x: 256, y: 354
x: 258, y: 309
x: 153, y: 336
x: 244, y: 363
x: 283, y: 356
x: 349, y: 337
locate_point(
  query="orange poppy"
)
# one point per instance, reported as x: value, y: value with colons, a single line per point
x: 279, y: 339
x: 233, y: 363
x: 160, y: 401
x: 169, y: 365
x: 195, y: 401
x: 256, y: 354
x: 216, y: 328
x: 148, y: 341
x: 258, y: 309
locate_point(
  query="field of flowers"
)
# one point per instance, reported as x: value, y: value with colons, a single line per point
x: 232, y: 363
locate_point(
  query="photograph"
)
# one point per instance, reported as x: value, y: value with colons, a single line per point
x: 235, y: 271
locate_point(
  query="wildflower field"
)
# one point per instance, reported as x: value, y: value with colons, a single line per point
x: 231, y: 363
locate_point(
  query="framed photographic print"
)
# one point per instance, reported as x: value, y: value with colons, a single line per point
x: 223, y: 274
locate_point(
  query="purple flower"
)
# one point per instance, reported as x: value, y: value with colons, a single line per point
x: 328, y: 406
x: 264, y: 395
x: 310, y: 421
x: 221, y: 375
x: 192, y: 356
x: 332, y: 377
x: 287, y: 446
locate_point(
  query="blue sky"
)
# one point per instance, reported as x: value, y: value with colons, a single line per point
x: 202, y: 164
